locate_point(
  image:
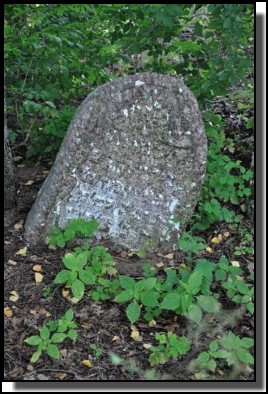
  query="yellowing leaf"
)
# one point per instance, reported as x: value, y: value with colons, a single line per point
x: 215, y: 240
x: 22, y: 251
x: 73, y: 300
x: 29, y: 183
x: 160, y: 264
x: 47, y: 314
x: 152, y: 323
x: 14, y: 296
x: 169, y: 256
x: 38, y: 277
x: 235, y: 263
x: 135, y: 335
x: 130, y: 253
x: 18, y: 225
x: 147, y: 345
x: 200, y: 376
x: 37, y: 268
x: 209, y: 250
x: 8, y: 312
x: 65, y: 292
x: 87, y: 363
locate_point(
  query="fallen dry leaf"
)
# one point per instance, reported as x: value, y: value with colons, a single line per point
x: 52, y: 247
x: 240, y: 277
x: 63, y: 352
x: 47, y: 314
x: 226, y: 234
x: 169, y: 256
x: 12, y: 262
x: 215, y: 240
x: 6, y: 242
x: 62, y: 375
x: 147, y: 345
x: 87, y: 363
x: 17, y: 158
x: 30, y: 368
x: 22, y: 251
x: 65, y: 292
x: 19, y: 225
x: 200, y: 376
x: 8, y: 312
x: 73, y: 300
x: 130, y: 253
x: 38, y: 277
x: 160, y: 264
x: 37, y: 268
x: 30, y: 182
x: 235, y: 263
x: 116, y: 338
x: 209, y: 250
x: 14, y: 296
x: 135, y: 335
x: 152, y: 323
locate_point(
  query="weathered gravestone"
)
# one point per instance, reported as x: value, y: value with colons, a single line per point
x: 134, y: 158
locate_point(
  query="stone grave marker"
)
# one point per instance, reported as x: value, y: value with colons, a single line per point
x: 134, y: 158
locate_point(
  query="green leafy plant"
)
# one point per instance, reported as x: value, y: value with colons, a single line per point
x: 231, y: 349
x: 97, y: 352
x: 236, y: 288
x: 56, y: 331
x: 170, y: 346
x: 74, y: 228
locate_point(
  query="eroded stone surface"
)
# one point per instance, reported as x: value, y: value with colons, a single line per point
x: 134, y: 158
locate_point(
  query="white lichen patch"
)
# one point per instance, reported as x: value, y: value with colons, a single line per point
x: 148, y: 108
x: 193, y: 184
x: 180, y: 90
x: 157, y: 105
x: 139, y: 83
x: 125, y: 112
x: 188, y: 132
x: 173, y: 204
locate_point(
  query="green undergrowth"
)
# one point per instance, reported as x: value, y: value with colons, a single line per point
x: 192, y: 291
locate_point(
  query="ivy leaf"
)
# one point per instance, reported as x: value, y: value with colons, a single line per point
x: 133, y: 312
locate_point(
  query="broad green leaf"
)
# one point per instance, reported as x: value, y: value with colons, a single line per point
x: 212, y: 365
x: 149, y: 298
x: 133, y: 312
x: 247, y: 342
x: 53, y: 351
x: 58, y: 337
x: 69, y: 261
x: 35, y: 357
x: 171, y: 301
x: 213, y: 346
x: 250, y: 307
x: 195, y: 313
x: 242, y: 287
x: 78, y: 288
x: 87, y: 276
x: 205, y: 267
x: 139, y: 286
x: 33, y: 340
x: 245, y: 356
x: 237, y: 298
x: 81, y: 260
x: 69, y: 315
x: 203, y: 357
x: 220, y: 275
x: 50, y: 104
x: 126, y: 282
x: 186, y: 301
x: 194, y: 282
x: 124, y: 296
x: 44, y: 333
x: 183, y: 345
x: 72, y: 334
x: 62, y: 277
x: 221, y: 354
x: 208, y: 303
x: 150, y: 283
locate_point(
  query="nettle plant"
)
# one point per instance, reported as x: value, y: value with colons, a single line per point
x: 169, y: 346
x: 54, y: 332
x: 231, y: 349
